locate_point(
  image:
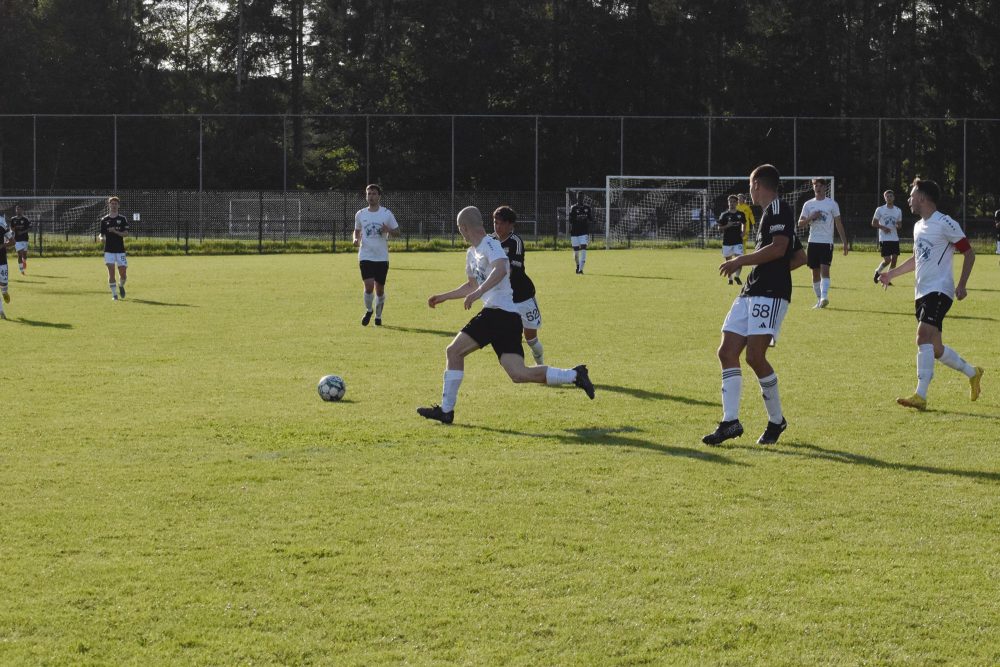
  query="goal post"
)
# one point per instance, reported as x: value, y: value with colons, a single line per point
x: 681, y: 208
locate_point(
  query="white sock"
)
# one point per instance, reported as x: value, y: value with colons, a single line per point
x: 536, y: 349
x: 113, y: 288
x: 732, y: 387
x: 824, y: 288
x: 881, y: 266
x: 369, y: 297
x: 738, y: 272
x: 555, y: 375
x: 379, y: 302
x: 449, y: 393
x: 925, y: 368
x: 772, y: 401
x: 121, y: 281
x: 816, y: 289
x: 951, y: 359
x: 583, y: 258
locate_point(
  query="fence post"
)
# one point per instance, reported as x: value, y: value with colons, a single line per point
x: 260, y: 222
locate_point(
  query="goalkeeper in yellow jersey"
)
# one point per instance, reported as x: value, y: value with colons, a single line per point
x: 751, y: 224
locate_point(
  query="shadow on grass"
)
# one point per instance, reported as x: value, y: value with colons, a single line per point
x: 614, y: 437
x: 909, y: 314
x: 806, y: 450
x: 645, y: 394
x: 39, y: 275
x: 432, y: 332
x: 20, y: 281
x: 413, y: 268
x: 148, y: 302
x: 622, y: 275
x: 39, y: 323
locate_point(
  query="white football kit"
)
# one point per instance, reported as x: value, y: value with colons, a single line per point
x: 477, y: 265
x: 934, y: 242
x: 374, y: 245
x: 821, y: 231
x: 888, y: 217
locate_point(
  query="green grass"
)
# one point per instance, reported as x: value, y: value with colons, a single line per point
x: 173, y: 491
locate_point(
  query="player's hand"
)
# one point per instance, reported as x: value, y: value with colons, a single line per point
x: 845, y: 250
x: 469, y: 300
x: 434, y: 300
x: 884, y: 279
x: 730, y: 267
x: 356, y: 242
x: 961, y: 292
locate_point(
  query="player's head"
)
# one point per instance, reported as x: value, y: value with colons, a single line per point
x: 18, y: 208
x: 732, y: 200
x: 503, y: 221
x: 819, y: 186
x: 764, y: 184
x: 996, y: 215
x: 113, y: 204
x: 924, y: 196
x: 741, y: 198
x: 373, y: 193
x: 470, y: 223
x: 889, y: 196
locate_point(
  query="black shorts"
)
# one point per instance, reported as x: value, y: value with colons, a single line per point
x: 819, y: 254
x: 374, y: 270
x: 931, y: 309
x: 496, y: 327
x: 889, y: 248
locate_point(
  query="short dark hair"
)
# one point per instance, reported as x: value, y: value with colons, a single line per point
x: 767, y: 175
x: 930, y: 189
x: 732, y: 198
x: 505, y: 213
x: 374, y: 186
x: 821, y: 181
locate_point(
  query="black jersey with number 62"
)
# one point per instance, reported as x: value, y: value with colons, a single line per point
x: 774, y: 278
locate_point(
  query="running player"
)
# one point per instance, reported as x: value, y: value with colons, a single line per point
x: 580, y: 217
x: 372, y: 228
x: 6, y: 241
x: 733, y: 225
x: 498, y: 323
x: 20, y: 226
x: 746, y: 209
x: 996, y: 223
x: 887, y: 220
x: 821, y: 214
x: 524, y: 290
x: 936, y: 237
x: 114, y: 229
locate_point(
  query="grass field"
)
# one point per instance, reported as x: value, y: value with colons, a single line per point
x: 173, y: 491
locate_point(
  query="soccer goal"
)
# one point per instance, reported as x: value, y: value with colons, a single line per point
x: 63, y: 215
x: 680, y: 208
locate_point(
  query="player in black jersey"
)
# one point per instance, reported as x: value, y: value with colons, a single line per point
x: 6, y: 241
x: 996, y: 223
x: 114, y: 229
x: 733, y: 224
x: 20, y: 225
x: 754, y: 320
x: 524, y: 290
x: 580, y: 216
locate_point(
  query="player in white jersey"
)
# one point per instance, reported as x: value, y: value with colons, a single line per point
x: 498, y: 324
x: 887, y: 220
x: 372, y: 228
x: 996, y: 223
x: 936, y: 237
x: 6, y: 241
x: 821, y: 215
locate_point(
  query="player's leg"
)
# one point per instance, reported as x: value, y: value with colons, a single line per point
x: 379, y: 301
x: 885, y: 262
x: 734, y: 341
x: 824, y: 283
x: 726, y: 258
x: 122, y: 275
x: 461, y: 346
x: 535, y: 345
x: 576, y: 257
x: 368, y: 279
x: 516, y: 369
x: 583, y: 255
x: 531, y: 321
x: 950, y: 358
x: 766, y: 317
x: 736, y: 276
x: 813, y: 262
x: 3, y: 289
x: 109, y: 262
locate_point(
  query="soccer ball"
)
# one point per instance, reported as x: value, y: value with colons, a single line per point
x: 331, y: 387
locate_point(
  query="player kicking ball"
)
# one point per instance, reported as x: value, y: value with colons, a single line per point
x: 497, y: 324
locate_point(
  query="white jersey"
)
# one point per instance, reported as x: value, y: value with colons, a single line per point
x: 933, y: 248
x: 890, y: 217
x: 477, y: 265
x: 374, y: 243
x: 821, y: 231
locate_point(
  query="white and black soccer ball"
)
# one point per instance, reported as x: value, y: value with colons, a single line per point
x: 331, y: 387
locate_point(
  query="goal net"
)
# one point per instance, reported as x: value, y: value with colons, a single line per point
x: 67, y: 216
x: 683, y: 209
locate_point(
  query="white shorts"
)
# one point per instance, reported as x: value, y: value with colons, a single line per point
x: 730, y: 250
x: 21, y: 245
x: 756, y: 316
x: 4, y: 274
x: 998, y: 247
x: 115, y: 258
x: 579, y: 240
x: 531, y: 316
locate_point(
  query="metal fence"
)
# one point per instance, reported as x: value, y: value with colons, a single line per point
x: 214, y: 176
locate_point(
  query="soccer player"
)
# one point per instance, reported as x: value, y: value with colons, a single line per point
x: 372, y: 228
x: 733, y: 225
x: 6, y: 241
x: 754, y: 320
x: 498, y: 323
x: 580, y: 217
x: 887, y: 220
x: 20, y: 226
x: 744, y: 207
x: 821, y: 214
x: 936, y: 237
x: 114, y: 229
x: 524, y: 290
x: 996, y: 223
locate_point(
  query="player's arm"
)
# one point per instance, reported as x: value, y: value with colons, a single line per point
x: 772, y: 251
x: 498, y: 269
x: 798, y: 259
x: 392, y: 227
x: 876, y: 224
x: 357, y: 231
x: 804, y: 220
x: 457, y: 293
x: 840, y: 230
x: 886, y: 276
x: 968, y: 259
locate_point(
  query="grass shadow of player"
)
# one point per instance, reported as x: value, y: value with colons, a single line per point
x: 632, y: 277
x: 150, y: 302
x: 40, y: 323
x: 39, y: 275
x: 26, y: 281
x: 614, y: 437
x: 415, y: 268
x: 810, y: 451
x: 909, y: 314
x: 963, y: 414
x: 645, y: 394
x: 431, y: 332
